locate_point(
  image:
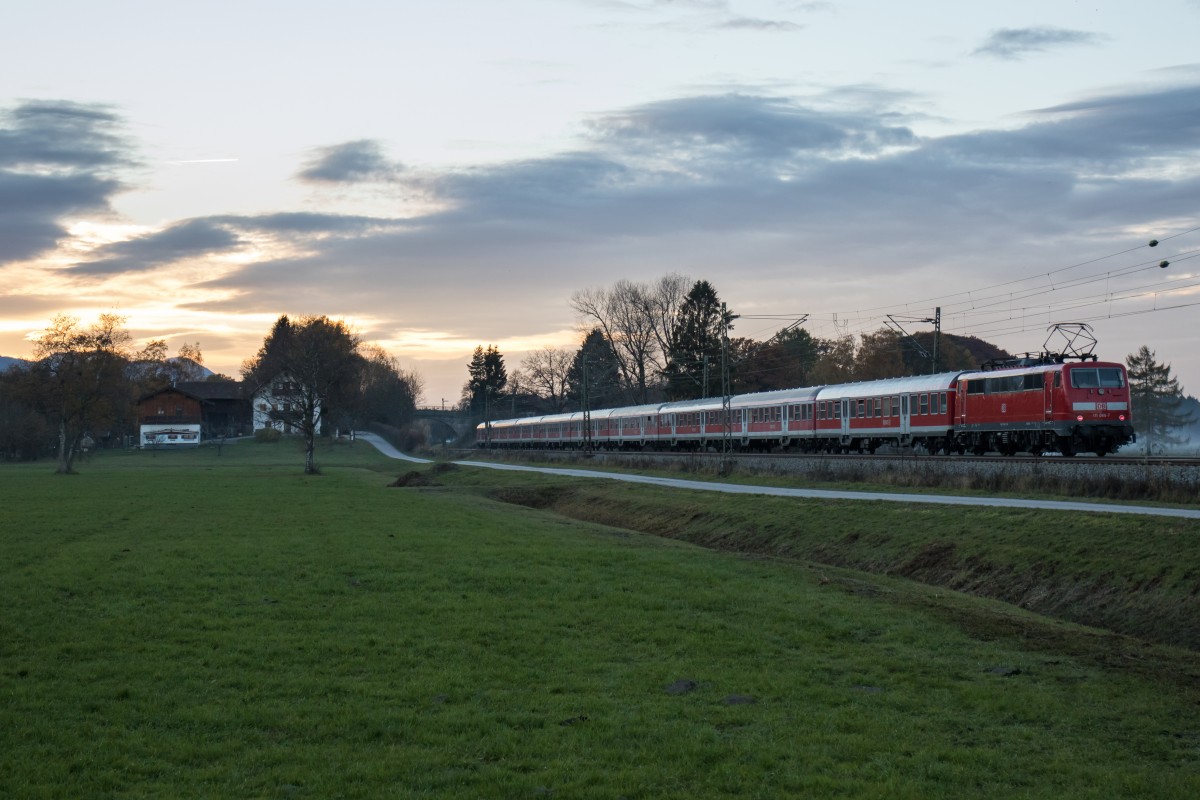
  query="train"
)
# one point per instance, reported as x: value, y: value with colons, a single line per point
x: 1030, y: 405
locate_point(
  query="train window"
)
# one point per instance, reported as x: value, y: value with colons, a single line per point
x: 821, y: 410
x: 1085, y: 378
x: 976, y: 387
x: 837, y: 410
x: 1097, y: 378
x: 924, y: 404
x: 1111, y: 378
x: 858, y: 409
x: 943, y: 402
x: 895, y: 406
x: 1058, y: 380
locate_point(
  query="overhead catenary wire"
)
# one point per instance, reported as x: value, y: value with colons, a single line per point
x: 984, y: 311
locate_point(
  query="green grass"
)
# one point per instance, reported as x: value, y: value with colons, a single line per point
x: 1132, y: 574
x: 184, y: 625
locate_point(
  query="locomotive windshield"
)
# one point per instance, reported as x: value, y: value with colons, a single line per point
x: 1097, y: 378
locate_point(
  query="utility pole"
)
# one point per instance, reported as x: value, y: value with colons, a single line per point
x: 935, y: 320
x: 587, y: 410
x: 937, y: 336
x: 726, y: 411
x: 487, y: 416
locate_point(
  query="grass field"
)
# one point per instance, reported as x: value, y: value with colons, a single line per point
x: 188, y: 625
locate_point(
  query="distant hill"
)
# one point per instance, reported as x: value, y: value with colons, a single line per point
x: 980, y: 350
x: 6, y: 362
x: 177, y: 368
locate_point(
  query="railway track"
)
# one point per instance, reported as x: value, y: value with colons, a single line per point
x: 1081, y: 460
x: 1162, y: 479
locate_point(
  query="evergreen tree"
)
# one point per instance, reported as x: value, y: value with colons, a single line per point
x: 1157, y: 401
x: 694, y: 360
x: 785, y: 361
x: 603, y: 373
x: 487, y: 377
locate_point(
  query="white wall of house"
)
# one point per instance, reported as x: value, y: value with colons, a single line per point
x: 276, y: 396
x: 177, y: 435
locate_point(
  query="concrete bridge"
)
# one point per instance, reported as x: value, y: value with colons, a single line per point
x: 442, y: 424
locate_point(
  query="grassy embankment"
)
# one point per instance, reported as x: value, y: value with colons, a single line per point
x: 186, y: 625
x: 1137, y: 575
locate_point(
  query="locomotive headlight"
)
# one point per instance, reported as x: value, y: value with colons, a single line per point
x: 1079, y: 418
x: 1122, y: 418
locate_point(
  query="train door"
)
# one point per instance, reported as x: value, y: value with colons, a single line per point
x: 1048, y: 395
x: 846, y: 406
x: 905, y: 421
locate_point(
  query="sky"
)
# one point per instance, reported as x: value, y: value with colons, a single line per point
x: 446, y: 174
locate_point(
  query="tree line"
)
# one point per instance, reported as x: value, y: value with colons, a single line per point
x: 82, y: 384
x: 672, y: 339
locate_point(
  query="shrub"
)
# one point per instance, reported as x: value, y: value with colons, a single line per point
x: 267, y: 435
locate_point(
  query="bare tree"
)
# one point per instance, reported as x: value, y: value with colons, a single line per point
x: 665, y: 299
x: 189, y: 362
x: 81, y: 375
x: 545, y: 373
x: 314, y: 366
x: 637, y: 319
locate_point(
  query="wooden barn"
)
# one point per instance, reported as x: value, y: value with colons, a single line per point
x: 192, y: 412
x: 169, y: 417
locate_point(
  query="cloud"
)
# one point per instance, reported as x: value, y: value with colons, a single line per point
x: 824, y: 198
x: 743, y: 188
x: 61, y: 134
x: 747, y: 132
x: 359, y: 161
x: 306, y: 222
x: 187, y: 239
x: 1015, y: 43
x: 57, y: 159
x: 765, y: 25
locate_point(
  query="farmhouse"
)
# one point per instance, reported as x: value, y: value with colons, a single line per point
x: 169, y: 417
x: 280, y: 404
x: 189, y: 412
x: 225, y: 409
